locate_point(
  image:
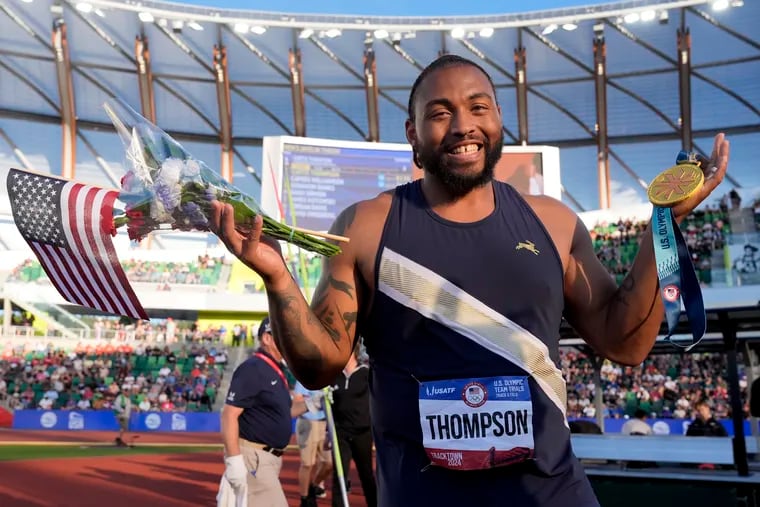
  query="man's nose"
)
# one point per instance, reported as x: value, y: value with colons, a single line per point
x: 462, y: 123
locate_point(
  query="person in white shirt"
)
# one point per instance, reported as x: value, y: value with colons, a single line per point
x: 637, y: 425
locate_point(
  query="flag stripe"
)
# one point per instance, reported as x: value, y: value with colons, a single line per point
x: 89, y: 228
x: 106, y: 247
x: 71, y: 226
x: 49, y: 263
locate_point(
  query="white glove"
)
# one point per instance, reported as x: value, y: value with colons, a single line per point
x: 235, y: 471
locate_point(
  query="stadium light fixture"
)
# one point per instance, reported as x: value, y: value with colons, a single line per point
x: 381, y: 34
x: 458, y: 33
x: 486, y: 32
x: 195, y: 26
x: 146, y: 17
x: 306, y: 33
x: 178, y: 25
x: 332, y: 33
x: 569, y: 27
x: 549, y: 29
x: 27, y: 1
x: 100, y: 13
x: 241, y: 27
x: 631, y: 17
x: 737, y: 3
x: 720, y: 5
x: 258, y: 29
x: 84, y: 7
x: 664, y: 17
x: 648, y: 15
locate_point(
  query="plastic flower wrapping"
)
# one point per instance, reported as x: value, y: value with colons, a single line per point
x: 165, y: 187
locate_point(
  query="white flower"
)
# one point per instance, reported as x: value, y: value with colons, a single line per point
x: 192, y: 170
x: 170, y: 172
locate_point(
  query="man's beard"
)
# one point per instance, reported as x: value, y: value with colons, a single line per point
x: 458, y: 185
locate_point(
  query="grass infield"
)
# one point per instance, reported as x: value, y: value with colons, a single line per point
x: 27, y: 451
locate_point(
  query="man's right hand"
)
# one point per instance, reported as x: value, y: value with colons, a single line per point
x: 260, y: 253
x: 235, y: 471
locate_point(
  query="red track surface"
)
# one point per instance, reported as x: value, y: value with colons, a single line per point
x: 170, y: 480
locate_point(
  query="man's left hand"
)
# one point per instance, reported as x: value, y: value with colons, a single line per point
x: 714, y: 170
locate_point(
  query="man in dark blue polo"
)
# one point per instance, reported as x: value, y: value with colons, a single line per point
x: 256, y: 424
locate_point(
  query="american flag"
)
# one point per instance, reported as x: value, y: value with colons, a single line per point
x: 68, y: 226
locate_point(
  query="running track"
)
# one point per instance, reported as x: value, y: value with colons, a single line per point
x: 166, y: 480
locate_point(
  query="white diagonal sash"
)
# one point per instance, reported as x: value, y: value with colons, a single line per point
x: 431, y: 295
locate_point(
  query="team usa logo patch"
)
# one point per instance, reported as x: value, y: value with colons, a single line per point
x: 474, y: 394
x: 671, y: 293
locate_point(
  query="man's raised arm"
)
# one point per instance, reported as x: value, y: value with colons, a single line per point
x: 316, y: 343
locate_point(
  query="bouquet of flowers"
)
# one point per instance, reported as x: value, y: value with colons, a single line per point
x: 166, y: 188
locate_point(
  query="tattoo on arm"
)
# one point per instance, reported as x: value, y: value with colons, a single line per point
x: 331, y: 315
x: 622, y: 295
x: 344, y: 220
x: 625, y: 289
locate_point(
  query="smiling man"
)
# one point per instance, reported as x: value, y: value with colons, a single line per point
x: 458, y: 284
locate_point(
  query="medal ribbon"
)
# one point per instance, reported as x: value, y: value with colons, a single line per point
x: 675, y: 271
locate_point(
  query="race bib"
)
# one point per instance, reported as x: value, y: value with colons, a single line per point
x: 474, y: 424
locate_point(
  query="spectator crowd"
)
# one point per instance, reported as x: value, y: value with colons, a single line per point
x: 154, y: 378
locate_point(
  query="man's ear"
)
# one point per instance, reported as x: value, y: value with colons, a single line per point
x: 411, y: 133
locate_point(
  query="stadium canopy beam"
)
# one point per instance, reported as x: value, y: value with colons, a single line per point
x: 145, y: 78
x: 683, y: 40
x: 295, y: 65
x: 602, y: 142
x: 177, y: 40
x: 345, y: 66
x: 396, y: 47
x: 717, y: 24
x: 554, y: 47
x: 371, y: 92
x: 66, y: 97
x: 522, y: 90
x: 225, y: 108
x: 674, y: 63
x: 572, y: 198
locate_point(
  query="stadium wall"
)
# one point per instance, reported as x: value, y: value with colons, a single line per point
x: 209, y: 422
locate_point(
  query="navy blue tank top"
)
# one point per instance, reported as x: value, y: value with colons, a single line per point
x: 503, y: 266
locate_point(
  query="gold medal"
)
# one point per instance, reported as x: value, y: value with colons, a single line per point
x: 676, y: 184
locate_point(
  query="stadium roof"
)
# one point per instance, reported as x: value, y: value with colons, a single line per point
x: 105, y: 42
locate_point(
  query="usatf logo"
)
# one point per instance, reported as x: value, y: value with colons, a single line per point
x: 671, y: 293
x: 527, y: 245
x: 474, y: 394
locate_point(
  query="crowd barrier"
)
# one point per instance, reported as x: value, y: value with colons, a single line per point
x: 166, y: 421
x: 105, y: 420
x: 85, y: 420
x: 664, y: 426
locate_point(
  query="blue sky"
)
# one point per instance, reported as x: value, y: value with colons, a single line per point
x: 399, y: 7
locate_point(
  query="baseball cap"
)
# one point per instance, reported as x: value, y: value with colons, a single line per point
x: 264, y: 327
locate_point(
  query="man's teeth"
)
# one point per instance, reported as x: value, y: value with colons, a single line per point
x: 469, y: 148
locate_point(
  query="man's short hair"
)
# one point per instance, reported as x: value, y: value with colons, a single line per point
x: 443, y: 62
x: 264, y: 327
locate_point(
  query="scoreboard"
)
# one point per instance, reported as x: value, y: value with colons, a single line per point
x: 307, y: 182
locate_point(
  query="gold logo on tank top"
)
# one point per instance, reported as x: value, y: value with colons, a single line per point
x: 527, y: 245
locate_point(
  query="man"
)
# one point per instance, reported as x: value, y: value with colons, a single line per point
x: 350, y: 404
x: 122, y: 406
x: 704, y: 424
x: 311, y: 435
x: 637, y: 425
x: 458, y: 285
x: 256, y: 424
